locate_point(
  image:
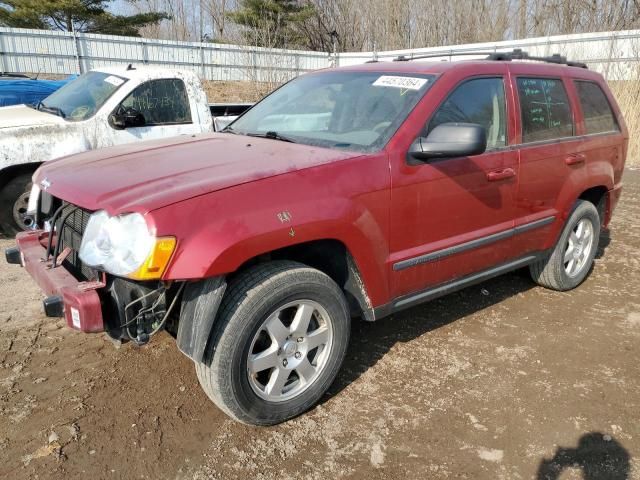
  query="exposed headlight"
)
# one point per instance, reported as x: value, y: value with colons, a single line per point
x: 123, y: 246
x: 32, y: 205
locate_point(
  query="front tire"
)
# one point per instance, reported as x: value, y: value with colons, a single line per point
x: 279, y: 340
x: 572, y: 258
x: 14, y: 198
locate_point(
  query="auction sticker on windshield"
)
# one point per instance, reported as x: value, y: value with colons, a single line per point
x: 114, y: 80
x: 407, y: 83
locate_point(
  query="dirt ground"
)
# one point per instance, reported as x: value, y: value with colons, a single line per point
x: 504, y: 380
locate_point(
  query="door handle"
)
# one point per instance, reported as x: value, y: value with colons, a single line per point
x: 575, y: 159
x: 501, y: 174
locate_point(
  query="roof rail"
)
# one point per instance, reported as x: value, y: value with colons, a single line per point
x: 402, y: 58
x: 516, y: 54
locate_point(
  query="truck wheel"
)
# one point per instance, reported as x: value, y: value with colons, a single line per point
x: 14, y: 198
x: 571, y: 259
x: 279, y: 340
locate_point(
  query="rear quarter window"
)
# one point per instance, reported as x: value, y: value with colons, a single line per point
x: 545, y: 109
x: 596, y: 109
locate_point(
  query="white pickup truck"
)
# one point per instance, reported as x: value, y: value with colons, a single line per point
x: 104, y: 107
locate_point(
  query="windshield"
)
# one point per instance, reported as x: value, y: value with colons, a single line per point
x: 343, y: 110
x: 83, y: 97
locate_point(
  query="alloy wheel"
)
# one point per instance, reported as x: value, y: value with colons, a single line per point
x: 290, y: 350
x: 578, y: 249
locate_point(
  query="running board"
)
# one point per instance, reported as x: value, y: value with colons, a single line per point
x: 432, y: 293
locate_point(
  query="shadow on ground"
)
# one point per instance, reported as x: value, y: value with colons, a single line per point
x: 370, y: 341
x: 600, y: 457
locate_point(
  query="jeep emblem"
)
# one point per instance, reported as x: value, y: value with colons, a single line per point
x: 45, y: 184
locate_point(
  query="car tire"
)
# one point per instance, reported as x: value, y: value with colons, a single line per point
x: 572, y: 258
x: 262, y: 319
x: 14, y: 198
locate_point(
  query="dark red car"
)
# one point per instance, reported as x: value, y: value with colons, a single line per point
x: 355, y: 191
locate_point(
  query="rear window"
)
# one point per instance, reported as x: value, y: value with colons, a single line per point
x: 598, y: 115
x: 546, y: 113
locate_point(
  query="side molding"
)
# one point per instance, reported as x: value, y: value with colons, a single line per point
x: 479, y: 242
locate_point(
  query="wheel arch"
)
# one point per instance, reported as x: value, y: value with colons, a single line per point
x: 598, y: 196
x: 329, y: 256
x: 332, y: 257
x: 12, y: 171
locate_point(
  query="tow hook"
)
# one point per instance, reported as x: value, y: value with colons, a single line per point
x: 53, y: 306
x: 13, y: 256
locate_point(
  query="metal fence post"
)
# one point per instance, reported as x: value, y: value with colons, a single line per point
x: 3, y: 60
x: 145, y: 52
x: 254, y: 56
x: 76, y: 44
x: 202, y: 70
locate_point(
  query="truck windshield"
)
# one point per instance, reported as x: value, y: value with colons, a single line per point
x: 83, y: 97
x: 342, y: 110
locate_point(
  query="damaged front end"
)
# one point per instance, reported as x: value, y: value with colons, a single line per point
x: 90, y: 299
x: 136, y: 311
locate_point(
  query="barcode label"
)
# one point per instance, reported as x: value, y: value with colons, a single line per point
x: 406, y: 83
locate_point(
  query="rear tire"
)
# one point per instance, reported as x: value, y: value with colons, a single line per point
x: 572, y: 257
x: 278, y: 341
x: 14, y: 198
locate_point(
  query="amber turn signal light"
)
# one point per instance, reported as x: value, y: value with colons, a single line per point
x: 156, y: 263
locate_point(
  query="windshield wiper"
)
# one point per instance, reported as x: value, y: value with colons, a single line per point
x: 228, y: 129
x: 272, y: 135
x: 55, y: 110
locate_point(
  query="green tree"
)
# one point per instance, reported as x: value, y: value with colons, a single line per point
x: 272, y: 23
x: 82, y: 15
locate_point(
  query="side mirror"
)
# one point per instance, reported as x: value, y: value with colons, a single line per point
x: 450, y: 140
x: 127, y: 119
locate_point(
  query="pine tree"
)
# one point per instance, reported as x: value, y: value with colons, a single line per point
x: 80, y: 15
x: 272, y: 23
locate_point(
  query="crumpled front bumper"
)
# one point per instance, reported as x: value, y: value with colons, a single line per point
x: 76, y: 300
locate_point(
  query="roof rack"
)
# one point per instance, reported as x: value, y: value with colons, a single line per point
x: 516, y: 54
x: 402, y: 58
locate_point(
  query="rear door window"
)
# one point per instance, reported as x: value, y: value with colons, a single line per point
x: 545, y: 109
x: 162, y: 102
x: 480, y: 101
x: 597, y: 112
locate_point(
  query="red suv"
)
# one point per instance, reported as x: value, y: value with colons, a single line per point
x: 355, y: 191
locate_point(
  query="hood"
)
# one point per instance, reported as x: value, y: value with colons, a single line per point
x: 150, y: 175
x: 23, y: 116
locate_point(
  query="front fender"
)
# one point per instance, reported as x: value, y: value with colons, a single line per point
x: 220, y: 231
x: 40, y: 143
